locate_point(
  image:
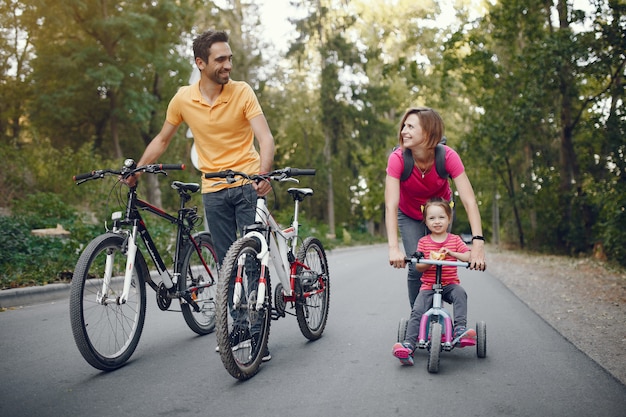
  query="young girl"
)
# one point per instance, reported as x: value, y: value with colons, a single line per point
x: 439, y: 245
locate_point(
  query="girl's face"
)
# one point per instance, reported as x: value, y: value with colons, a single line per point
x: 412, y: 133
x: 436, y: 220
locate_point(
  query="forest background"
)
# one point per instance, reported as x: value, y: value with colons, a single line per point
x: 531, y: 91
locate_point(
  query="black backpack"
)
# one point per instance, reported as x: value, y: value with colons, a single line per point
x: 440, y: 161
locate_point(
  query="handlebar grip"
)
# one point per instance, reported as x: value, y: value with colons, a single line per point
x: 220, y: 174
x: 294, y: 172
x: 86, y: 175
x: 171, y: 167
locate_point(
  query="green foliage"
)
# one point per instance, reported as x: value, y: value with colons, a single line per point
x: 534, y: 109
x: 44, y: 210
x: 26, y: 259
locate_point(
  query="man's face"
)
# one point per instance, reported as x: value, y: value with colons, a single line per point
x: 220, y: 63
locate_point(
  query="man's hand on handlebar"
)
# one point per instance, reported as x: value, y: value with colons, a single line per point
x: 262, y: 187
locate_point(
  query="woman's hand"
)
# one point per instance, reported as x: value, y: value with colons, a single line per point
x: 477, y: 256
x: 396, y: 257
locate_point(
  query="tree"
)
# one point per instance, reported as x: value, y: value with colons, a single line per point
x: 538, y: 83
x: 16, y: 51
x: 103, y: 68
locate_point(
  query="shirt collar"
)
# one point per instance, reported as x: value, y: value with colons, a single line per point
x: 224, y: 96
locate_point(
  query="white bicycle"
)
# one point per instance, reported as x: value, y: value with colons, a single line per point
x: 244, y: 295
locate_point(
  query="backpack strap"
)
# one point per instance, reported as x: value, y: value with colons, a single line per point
x: 408, y: 164
x: 440, y: 160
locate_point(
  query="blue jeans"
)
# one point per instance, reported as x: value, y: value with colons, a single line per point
x: 411, y: 231
x: 227, y: 212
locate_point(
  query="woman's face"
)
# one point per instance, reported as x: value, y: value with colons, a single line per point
x: 412, y: 133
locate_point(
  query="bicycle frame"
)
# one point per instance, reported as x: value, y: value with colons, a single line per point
x: 133, y: 218
x: 282, y: 245
x: 437, y: 312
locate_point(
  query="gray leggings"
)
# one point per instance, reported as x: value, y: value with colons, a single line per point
x: 453, y: 294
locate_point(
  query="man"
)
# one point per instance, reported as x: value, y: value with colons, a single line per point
x: 224, y: 117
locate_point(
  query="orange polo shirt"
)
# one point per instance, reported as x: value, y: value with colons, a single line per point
x: 222, y: 133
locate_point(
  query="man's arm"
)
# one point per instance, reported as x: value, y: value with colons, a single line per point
x: 155, y: 148
x: 159, y: 144
x: 264, y: 136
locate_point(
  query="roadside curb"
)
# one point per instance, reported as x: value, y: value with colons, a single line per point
x: 16, y: 297
x: 19, y: 297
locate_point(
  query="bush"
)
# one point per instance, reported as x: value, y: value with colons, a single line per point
x: 26, y: 259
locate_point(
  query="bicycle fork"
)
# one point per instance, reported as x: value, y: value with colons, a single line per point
x: 131, y: 251
x: 264, y: 256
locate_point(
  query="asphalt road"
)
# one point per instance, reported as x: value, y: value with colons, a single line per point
x: 530, y: 370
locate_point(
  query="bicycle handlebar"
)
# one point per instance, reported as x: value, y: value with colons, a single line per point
x: 127, y: 170
x: 276, y: 175
x: 418, y: 257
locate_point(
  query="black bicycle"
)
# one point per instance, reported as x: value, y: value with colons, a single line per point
x: 108, y: 290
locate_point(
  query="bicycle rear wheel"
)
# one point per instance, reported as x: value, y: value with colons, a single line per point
x: 106, y: 331
x: 242, y: 330
x: 201, y: 281
x: 312, y: 289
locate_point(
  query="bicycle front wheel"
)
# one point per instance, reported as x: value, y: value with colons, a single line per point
x: 242, y: 326
x: 312, y: 289
x: 435, y: 347
x: 106, y: 329
x: 199, y: 278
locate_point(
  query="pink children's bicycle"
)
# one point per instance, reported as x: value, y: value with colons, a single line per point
x: 436, y: 323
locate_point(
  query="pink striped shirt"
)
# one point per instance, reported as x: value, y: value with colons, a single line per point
x: 449, y: 274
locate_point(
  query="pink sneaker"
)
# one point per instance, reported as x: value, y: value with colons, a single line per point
x: 404, y: 352
x: 464, y: 337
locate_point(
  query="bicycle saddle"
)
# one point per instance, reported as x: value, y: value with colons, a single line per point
x: 300, y: 193
x: 186, y: 186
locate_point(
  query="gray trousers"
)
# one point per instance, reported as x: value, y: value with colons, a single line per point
x: 411, y: 231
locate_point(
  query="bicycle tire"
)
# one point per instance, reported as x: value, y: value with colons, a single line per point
x: 193, y: 273
x: 242, y: 333
x: 435, y: 347
x: 312, y: 311
x: 107, y: 334
x: 481, y: 339
x: 402, y: 327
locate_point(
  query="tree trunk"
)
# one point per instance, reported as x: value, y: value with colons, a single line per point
x: 331, y: 195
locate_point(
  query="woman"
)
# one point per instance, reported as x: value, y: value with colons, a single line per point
x: 421, y: 129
